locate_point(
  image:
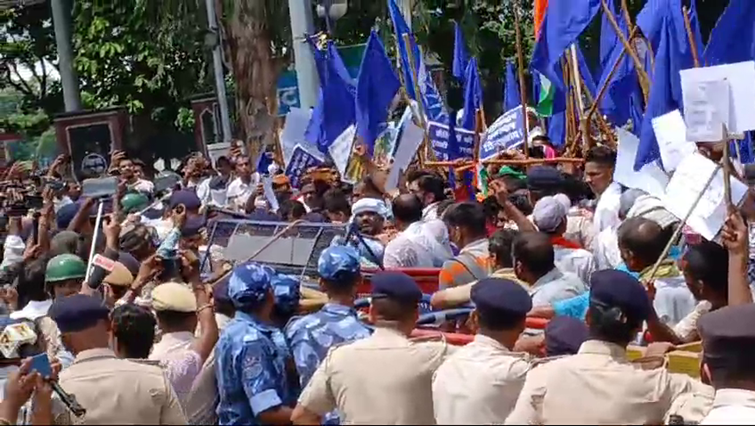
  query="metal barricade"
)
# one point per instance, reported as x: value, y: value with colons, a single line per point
x: 295, y: 253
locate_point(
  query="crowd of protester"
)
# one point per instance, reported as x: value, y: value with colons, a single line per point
x: 139, y: 329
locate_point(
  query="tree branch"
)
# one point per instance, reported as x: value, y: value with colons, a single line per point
x: 14, y: 68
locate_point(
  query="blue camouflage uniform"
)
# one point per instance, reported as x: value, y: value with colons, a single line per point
x: 311, y: 336
x: 251, y: 367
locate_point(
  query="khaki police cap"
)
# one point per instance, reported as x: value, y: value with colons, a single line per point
x: 119, y: 277
x: 173, y: 297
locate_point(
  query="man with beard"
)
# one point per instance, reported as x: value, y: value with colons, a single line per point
x: 369, y: 220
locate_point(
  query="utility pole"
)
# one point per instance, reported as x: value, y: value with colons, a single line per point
x: 302, y: 26
x: 61, y: 17
x: 217, y: 64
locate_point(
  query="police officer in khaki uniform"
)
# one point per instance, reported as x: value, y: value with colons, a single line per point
x: 385, y: 378
x: 599, y: 385
x: 728, y: 353
x: 480, y: 383
x: 112, y: 390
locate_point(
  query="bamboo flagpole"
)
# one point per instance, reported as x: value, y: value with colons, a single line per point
x: 644, y: 79
x: 522, y: 87
x: 691, y: 37
x: 422, y: 155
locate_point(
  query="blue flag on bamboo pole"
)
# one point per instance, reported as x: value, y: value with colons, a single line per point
x: 512, y: 98
x: 429, y: 95
x: 377, y: 85
x: 472, y: 96
x: 461, y: 57
x: 564, y: 22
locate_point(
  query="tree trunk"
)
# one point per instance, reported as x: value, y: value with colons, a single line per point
x: 255, y: 71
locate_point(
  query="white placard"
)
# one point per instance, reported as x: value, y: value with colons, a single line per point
x: 267, y: 188
x: 341, y: 149
x: 670, y: 132
x: 740, y: 77
x: 706, y: 110
x: 650, y: 178
x: 411, y: 138
x: 293, y: 132
x: 688, y: 181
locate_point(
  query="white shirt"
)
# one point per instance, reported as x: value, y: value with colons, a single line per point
x: 181, y: 363
x: 607, y: 211
x: 579, y: 262
x: 410, y: 249
x: 686, y: 329
x: 239, y: 192
x: 606, y: 249
x: 673, y: 300
x: 430, y: 212
x: 478, y: 384
x: 732, y: 407
x: 33, y: 310
x: 555, y: 286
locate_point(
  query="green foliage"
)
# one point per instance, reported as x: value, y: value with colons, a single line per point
x: 124, y: 59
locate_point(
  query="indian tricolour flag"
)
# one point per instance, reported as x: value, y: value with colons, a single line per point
x: 544, y: 88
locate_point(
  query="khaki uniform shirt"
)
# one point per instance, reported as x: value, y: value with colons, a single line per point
x: 462, y: 294
x: 731, y: 407
x: 479, y: 384
x: 383, y: 379
x: 598, y: 385
x: 118, y: 391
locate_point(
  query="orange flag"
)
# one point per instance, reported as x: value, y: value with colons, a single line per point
x: 540, y: 7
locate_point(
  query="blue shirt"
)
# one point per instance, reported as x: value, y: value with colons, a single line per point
x: 575, y: 307
x: 311, y: 336
x: 250, y: 371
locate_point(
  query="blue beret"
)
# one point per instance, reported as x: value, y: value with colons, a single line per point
x: 153, y: 213
x: 287, y: 294
x: 617, y: 289
x: 564, y: 335
x: 728, y: 337
x: 249, y: 284
x: 338, y: 263
x: 501, y: 297
x: 186, y: 197
x: 78, y: 312
x: 396, y: 286
x: 65, y: 215
x: 193, y: 225
x: 541, y: 177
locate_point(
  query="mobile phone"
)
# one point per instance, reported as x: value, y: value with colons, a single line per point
x: 41, y: 364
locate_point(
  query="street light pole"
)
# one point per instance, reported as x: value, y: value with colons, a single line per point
x: 61, y: 17
x: 217, y: 64
x: 306, y: 73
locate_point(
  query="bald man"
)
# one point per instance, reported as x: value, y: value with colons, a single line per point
x: 412, y: 248
x: 641, y: 243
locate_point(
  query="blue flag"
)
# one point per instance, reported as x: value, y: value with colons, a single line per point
x: 335, y: 110
x: 563, y: 23
x: 585, y: 73
x: 624, y: 82
x: 512, y: 98
x: 733, y: 38
x: 672, y: 55
x: 461, y: 57
x: 429, y: 95
x: 472, y: 96
x: 376, y: 86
